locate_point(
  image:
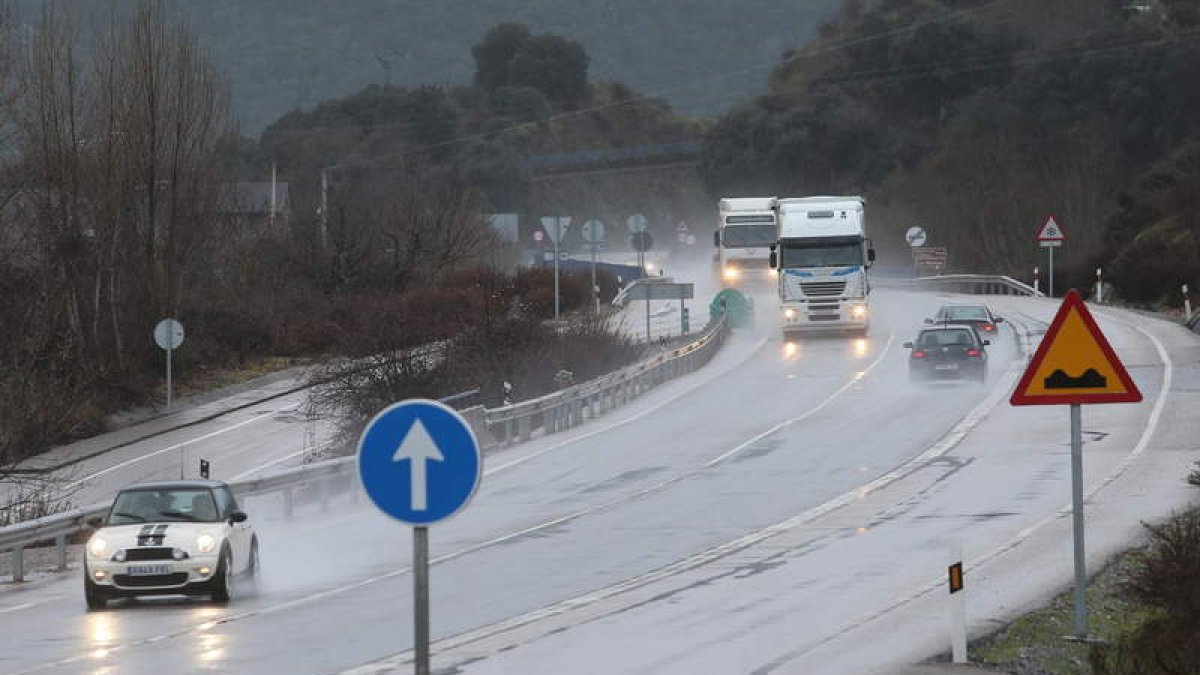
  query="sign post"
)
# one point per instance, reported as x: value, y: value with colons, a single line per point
x: 1075, y: 365
x: 1051, y: 236
x: 168, y: 334
x: 419, y: 462
x: 915, y: 236
x: 556, y: 228
x: 593, y: 234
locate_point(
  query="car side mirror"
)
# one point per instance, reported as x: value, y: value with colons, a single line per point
x: 999, y: 319
x: 908, y: 345
x: 870, y: 255
x: 987, y: 342
x: 929, y: 321
x: 773, y: 260
x: 717, y: 238
x: 95, y: 522
x: 238, y: 517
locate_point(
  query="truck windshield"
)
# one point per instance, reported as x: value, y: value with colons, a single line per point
x: 743, y: 236
x: 816, y: 255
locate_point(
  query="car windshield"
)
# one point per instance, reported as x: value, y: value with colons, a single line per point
x: 838, y: 255
x: 192, y: 505
x: 968, y: 313
x: 744, y: 236
x: 944, y: 338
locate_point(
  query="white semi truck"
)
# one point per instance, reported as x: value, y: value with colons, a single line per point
x: 822, y: 256
x: 743, y: 240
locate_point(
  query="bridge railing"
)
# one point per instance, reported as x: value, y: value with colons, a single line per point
x: 317, y: 482
x: 972, y: 284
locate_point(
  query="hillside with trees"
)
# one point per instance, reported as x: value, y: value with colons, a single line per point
x: 976, y: 119
x: 284, y: 55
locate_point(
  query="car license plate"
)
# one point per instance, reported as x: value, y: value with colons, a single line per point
x: 147, y: 570
x: 946, y: 366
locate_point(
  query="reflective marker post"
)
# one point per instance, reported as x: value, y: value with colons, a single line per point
x: 1081, y: 627
x: 958, y: 609
x: 421, y: 600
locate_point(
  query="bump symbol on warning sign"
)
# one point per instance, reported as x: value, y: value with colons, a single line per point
x: 1075, y: 364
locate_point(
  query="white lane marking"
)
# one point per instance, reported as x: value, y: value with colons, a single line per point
x: 338, y: 590
x: 280, y: 460
x: 943, y: 446
x: 265, y: 415
x: 811, y: 411
x: 18, y: 608
x: 642, y: 412
x: 1023, y: 535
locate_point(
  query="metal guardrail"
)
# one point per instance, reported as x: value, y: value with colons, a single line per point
x: 975, y: 284
x: 551, y: 413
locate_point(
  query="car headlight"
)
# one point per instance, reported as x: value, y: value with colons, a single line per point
x: 205, y: 543
x: 789, y: 314
x: 730, y: 273
x: 97, y: 546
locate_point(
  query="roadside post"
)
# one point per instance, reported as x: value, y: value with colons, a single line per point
x: 1036, y: 289
x: 1099, y: 286
x: 1187, y: 304
x: 958, y: 609
x: 419, y: 462
x: 1050, y: 237
x: 168, y: 334
x: 915, y: 236
x: 1075, y: 365
x: 556, y: 227
x: 593, y: 235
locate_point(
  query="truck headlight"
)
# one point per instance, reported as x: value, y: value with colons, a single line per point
x: 205, y: 543
x: 97, y: 547
x: 730, y: 274
x: 858, y: 311
x: 789, y: 314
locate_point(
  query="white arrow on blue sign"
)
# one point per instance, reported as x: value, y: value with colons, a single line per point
x: 419, y: 462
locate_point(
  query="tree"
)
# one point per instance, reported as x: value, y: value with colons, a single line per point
x: 495, y: 51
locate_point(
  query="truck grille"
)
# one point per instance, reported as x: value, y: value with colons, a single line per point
x: 823, y: 288
x: 152, y: 580
x: 155, y: 553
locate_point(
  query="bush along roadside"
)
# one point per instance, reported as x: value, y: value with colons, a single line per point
x: 1144, y: 616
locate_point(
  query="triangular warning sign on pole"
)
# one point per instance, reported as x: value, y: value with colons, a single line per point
x: 1075, y: 364
x: 1051, y: 231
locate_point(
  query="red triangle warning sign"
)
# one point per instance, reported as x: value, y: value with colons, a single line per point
x: 1051, y: 231
x: 1075, y: 364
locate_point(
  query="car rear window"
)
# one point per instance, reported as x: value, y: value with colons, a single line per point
x: 945, y: 337
x: 959, y: 313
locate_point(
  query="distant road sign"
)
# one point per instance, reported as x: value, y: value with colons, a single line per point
x: 168, y: 334
x: 929, y: 254
x: 556, y: 227
x: 419, y: 462
x: 915, y: 236
x: 637, y: 223
x: 640, y: 241
x: 1075, y: 364
x: 1051, y: 234
x: 661, y: 290
x: 593, y: 232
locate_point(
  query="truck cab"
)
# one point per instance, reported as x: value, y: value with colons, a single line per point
x: 822, y: 256
x: 745, y: 233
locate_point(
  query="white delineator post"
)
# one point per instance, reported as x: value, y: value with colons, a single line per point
x: 958, y: 605
x: 1036, y: 281
x: 1099, y: 287
x: 1187, y: 304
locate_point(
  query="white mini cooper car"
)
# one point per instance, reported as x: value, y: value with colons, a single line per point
x: 170, y: 538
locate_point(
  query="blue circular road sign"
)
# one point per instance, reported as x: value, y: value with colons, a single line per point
x: 419, y: 462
